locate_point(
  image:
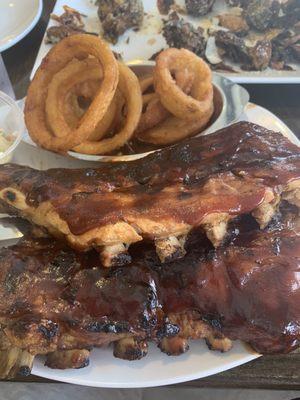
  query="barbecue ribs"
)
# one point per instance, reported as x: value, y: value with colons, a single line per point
x: 204, y: 181
x: 58, y: 302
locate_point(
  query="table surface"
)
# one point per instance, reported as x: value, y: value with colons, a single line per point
x: 270, y: 372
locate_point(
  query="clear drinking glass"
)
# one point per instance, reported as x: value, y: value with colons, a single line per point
x: 12, y: 125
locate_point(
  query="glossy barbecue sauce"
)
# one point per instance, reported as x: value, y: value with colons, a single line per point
x: 249, y: 289
x: 184, y: 182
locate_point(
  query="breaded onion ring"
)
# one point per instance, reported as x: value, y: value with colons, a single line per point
x: 149, y: 97
x: 73, y: 112
x: 173, y: 130
x: 130, y: 89
x: 173, y: 98
x: 79, y: 78
x: 76, y: 76
x: 106, y: 123
x: 119, y: 116
x: 154, y: 114
x: 146, y: 83
x: 59, y: 56
x: 71, y: 109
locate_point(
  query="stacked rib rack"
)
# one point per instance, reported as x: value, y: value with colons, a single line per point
x: 208, y: 230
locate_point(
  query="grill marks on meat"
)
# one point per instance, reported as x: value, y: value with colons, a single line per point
x: 204, y: 181
x: 60, y: 303
x: 182, y: 34
x: 54, y: 300
x: 43, y: 281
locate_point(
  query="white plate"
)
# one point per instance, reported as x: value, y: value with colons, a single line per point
x: 156, y: 369
x: 17, y: 18
x: 139, y: 46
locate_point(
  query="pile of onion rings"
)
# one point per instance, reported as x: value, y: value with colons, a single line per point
x: 177, y: 99
x: 82, y: 99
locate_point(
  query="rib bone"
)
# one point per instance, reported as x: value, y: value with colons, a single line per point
x: 130, y: 349
x: 115, y: 255
x: 170, y: 248
x: 64, y: 359
x: 266, y: 211
x: 15, y: 361
x: 215, y: 227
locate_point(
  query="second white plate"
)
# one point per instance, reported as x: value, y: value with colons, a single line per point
x: 17, y: 18
x: 139, y: 46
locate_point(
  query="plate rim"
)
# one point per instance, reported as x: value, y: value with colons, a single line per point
x: 152, y: 383
x: 25, y: 32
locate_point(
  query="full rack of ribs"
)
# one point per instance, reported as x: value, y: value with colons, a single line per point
x: 57, y: 302
x: 205, y: 181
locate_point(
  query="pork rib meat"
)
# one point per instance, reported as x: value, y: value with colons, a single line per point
x: 204, y: 181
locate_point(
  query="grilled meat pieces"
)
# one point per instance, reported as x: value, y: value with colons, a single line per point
x: 260, y: 13
x: 58, y: 302
x: 235, y: 23
x: 164, y: 6
x: 199, y: 7
x: 69, y: 23
x: 256, y: 58
x: 205, y: 181
x: 181, y: 34
x: 117, y: 16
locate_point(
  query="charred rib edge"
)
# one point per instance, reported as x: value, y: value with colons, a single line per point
x: 15, y: 361
x: 64, y: 359
x: 115, y: 255
x: 130, y: 348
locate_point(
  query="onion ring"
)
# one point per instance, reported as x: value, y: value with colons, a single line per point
x: 154, y: 114
x: 119, y: 117
x: 73, y: 76
x: 72, y: 111
x: 81, y: 88
x: 173, y: 98
x: 146, y: 83
x: 173, y: 129
x: 78, y: 78
x: 148, y: 97
x: 59, y: 56
x: 130, y: 89
x: 106, y: 123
